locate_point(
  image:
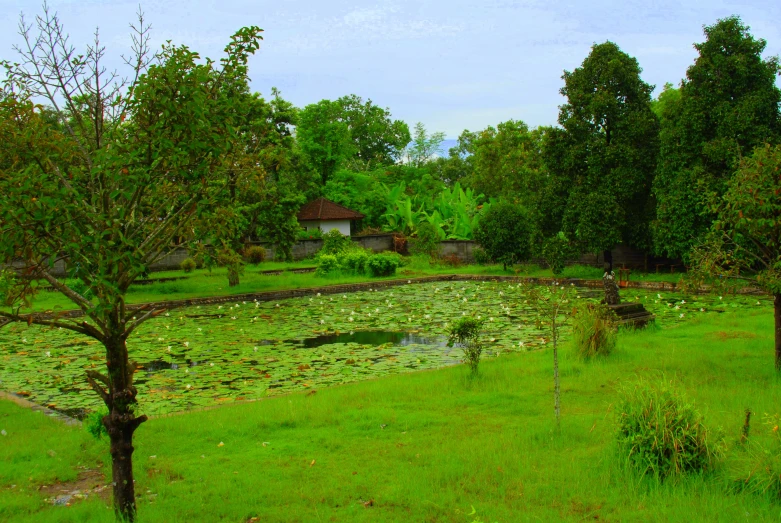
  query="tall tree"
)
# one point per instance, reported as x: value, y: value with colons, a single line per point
x: 423, y: 147
x: 129, y: 167
x: 728, y: 105
x: 324, y: 137
x: 377, y: 140
x: 507, y: 161
x: 605, y: 155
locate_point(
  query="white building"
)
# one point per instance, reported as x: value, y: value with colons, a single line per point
x: 326, y: 215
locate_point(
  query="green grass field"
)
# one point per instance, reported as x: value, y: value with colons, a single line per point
x: 203, y: 283
x: 426, y: 446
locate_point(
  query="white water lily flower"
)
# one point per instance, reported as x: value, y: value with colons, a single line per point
x: 491, y: 318
x: 48, y: 354
x: 211, y: 364
x: 186, y: 343
x: 318, y: 294
x: 376, y: 310
x: 233, y: 317
x: 188, y: 386
x: 255, y: 349
x: 719, y: 297
x: 322, y: 322
x: 759, y: 303
x: 277, y: 305
x: 311, y: 299
x: 350, y: 318
x: 167, y: 314
x: 160, y: 339
x: 520, y: 344
x: 187, y: 371
x: 492, y: 340
x: 219, y: 307
x: 464, y: 300
x: 681, y: 316
x: 200, y: 329
x: 677, y: 307
x: 702, y: 310
x: 169, y: 348
x: 344, y: 296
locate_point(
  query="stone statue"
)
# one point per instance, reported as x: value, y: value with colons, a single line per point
x: 611, y: 287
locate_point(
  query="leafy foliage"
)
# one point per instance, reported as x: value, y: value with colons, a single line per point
x: 383, y: 264
x: 660, y: 432
x: 426, y: 240
x: 466, y: 332
x: 335, y: 242
x: 188, y: 265
x: 727, y: 105
x: 604, y: 158
x: 505, y: 233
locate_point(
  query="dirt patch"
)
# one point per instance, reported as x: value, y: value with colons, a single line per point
x: 89, y: 483
x: 724, y: 336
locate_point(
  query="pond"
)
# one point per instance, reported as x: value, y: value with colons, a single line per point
x: 201, y: 356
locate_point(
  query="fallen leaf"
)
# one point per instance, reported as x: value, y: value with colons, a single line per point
x: 313, y: 462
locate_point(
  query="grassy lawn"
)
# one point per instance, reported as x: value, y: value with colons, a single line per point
x: 426, y: 446
x: 203, y: 283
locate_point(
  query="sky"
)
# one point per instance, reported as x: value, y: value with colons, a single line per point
x: 452, y: 65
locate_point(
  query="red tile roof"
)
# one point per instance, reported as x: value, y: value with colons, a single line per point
x: 322, y: 209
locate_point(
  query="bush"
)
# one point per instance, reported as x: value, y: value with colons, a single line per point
x: 326, y: 263
x: 556, y: 251
x: 312, y: 234
x: 426, y: 241
x: 334, y: 242
x: 465, y: 332
x: 481, y: 257
x: 235, y: 265
x: 383, y: 264
x: 505, y: 233
x: 594, y: 331
x: 756, y: 466
x: 354, y: 260
x: 451, y: 260
x: 188, y: 265
x: 254, y: 254
x: 661, y: 433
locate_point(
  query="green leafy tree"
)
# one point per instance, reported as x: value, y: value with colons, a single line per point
x: 505, y: 232
x: 128, y: 169
x: 507, y: 160
x: 728, y: 104
x: 377, y: 139
x: 277, y: 220
x: 458, y: 166
x: 606, y: 153
x: 423, y: 147
x: 744, y: 241
x: 324, y: 138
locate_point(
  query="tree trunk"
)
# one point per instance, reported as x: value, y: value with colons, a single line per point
x: 121, y: 423
x: 777, y: 314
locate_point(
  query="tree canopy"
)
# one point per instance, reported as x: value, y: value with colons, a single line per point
x: 727, y: 105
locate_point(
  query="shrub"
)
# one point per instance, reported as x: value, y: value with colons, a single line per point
x: 505, y: 233
x: 188, y: 265
x: 383, y: 264
x: 312, y: 234
x: 94, y: 423
x: 660, y: 432
x: 354, y: 260
x: 426, y: 241
x: 235, y: 265
x: 756, y: 466
x: 326, y: 263
x: 451, y: 260
x: 254, y: 254
x: 594, y: 331
x: 481, y: 257
x: 556, y: 251
x: 466, y: 333
x: 334, y: 242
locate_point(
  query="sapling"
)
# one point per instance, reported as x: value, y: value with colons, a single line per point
x: 466, y: 333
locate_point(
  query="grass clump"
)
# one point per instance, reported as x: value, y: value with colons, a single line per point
x: 755, y: 467
x: 466, y: 333
x: 594, y: 331
x: 661, y: 433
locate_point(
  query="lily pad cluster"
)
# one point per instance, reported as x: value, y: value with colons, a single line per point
x: 204, y: 355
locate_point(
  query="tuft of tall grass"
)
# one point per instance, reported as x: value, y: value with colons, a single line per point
x: 661, y: 432
x: 594, y: 331
x: 755, y: 466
